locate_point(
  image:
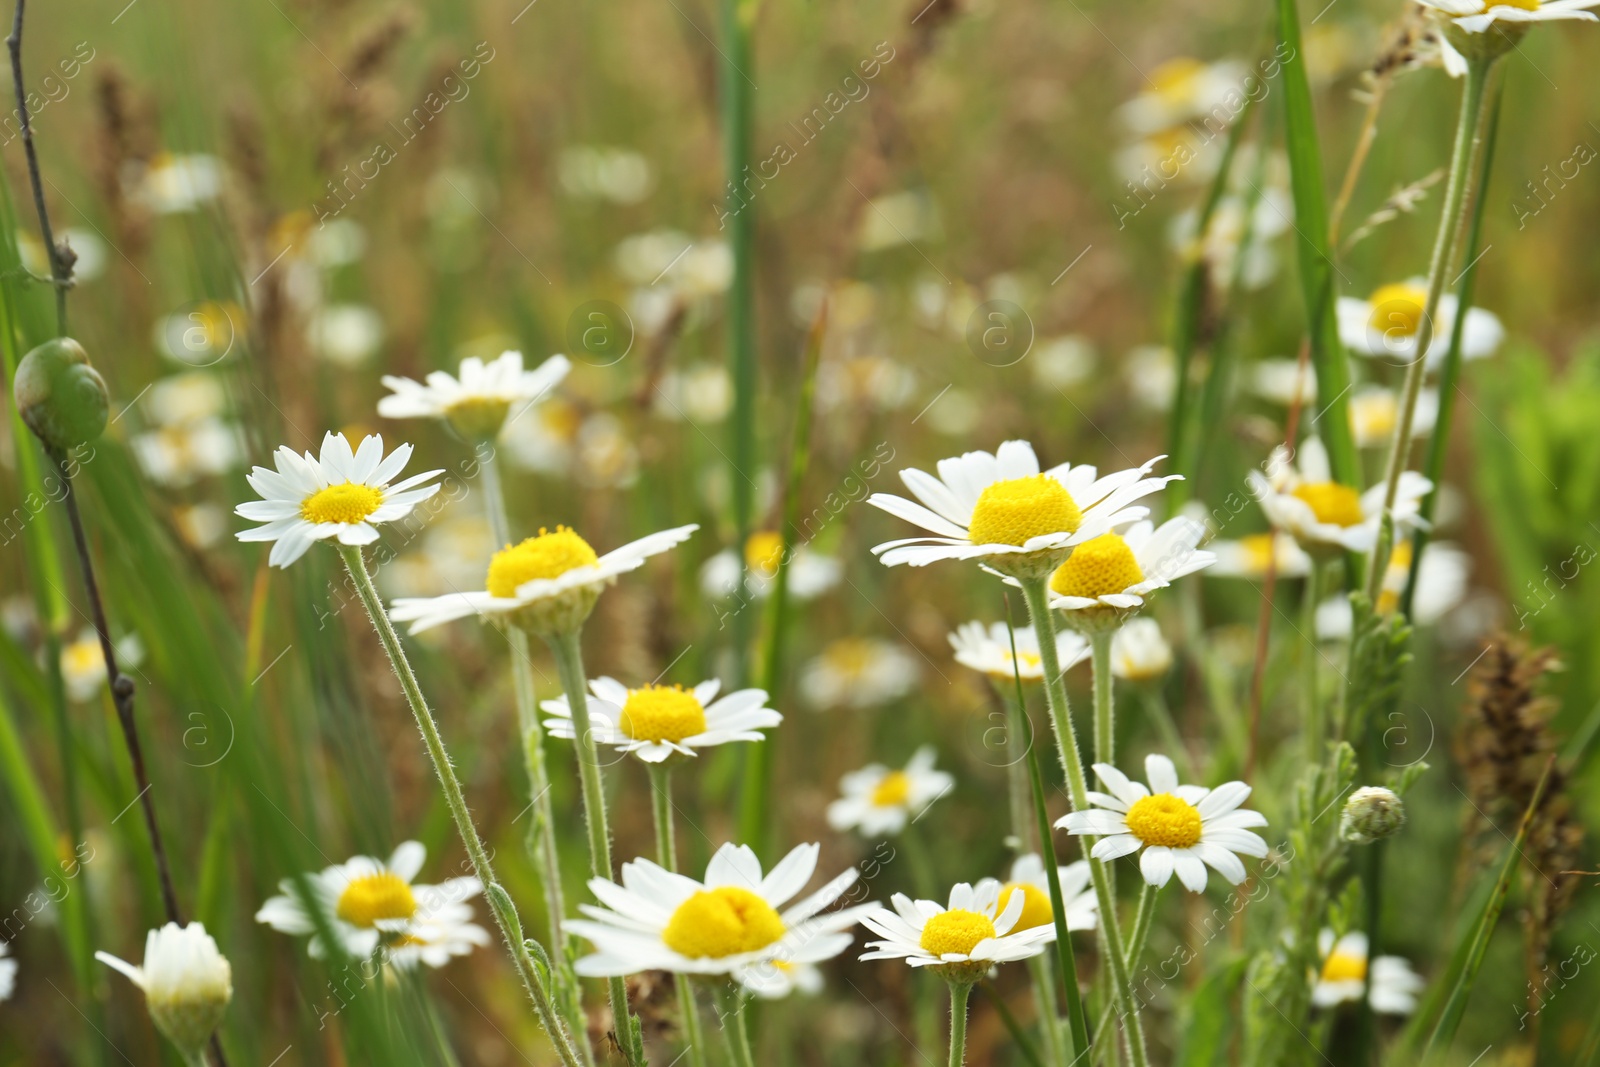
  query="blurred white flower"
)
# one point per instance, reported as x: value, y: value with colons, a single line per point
x: 1152, y: 376
x: 864, y: 381
x: 1181, y: 89
x: 879, y: 800
x: 189, y: 397
x: 1374, y: 412
x: 1250, y: 555
x: 1323, y: 514
x: 701, y: 393
x: 1441, y: 587
x: 1343, y: 976
x: 8, y: 971
x: 83, y: 664
x: 858, y: 672
x: 1139, y: 653
x: 543, y: 440
x: 810, y: 573
x: 597, y: 172
x: 203, y: 334
x: 201, y: 525
x: 1385, y: 325
x: 897, y: 219
x: 172, y: 184
x: 179, y: 455
x: 346, y: 335
x: 1062, y: 362
x: 1281, y: 381
x: 605, y: 457
x: 86, y: 245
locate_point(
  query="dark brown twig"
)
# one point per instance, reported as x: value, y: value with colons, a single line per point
x: 60, y: 267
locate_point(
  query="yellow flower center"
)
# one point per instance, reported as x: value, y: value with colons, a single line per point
x: 763, y: 552
x: 1164, y: 819
x: 850, y: 656
x: 1344, y: 967
x: 1373, y: 415
x: 1526, y: 5
x: 83, y: 657
x: 1330, y: 502
x: 956, y: 930
x: 662, y: 713
x: 1036, y: 910
x: 550, y: 555
x: 1258, y: 551
x: 1013, y: 511
x: 1102, y: 565
x: 893, y: 790
x: 372, y: 897
x: 725, y: 921
x: 341, y: 503
x: 1397, y: 309
x: 1174, y: 79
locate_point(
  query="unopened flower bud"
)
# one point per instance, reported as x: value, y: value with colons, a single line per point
x: 61, y: 397
x: 187, y: 983
x: 1371, y: 814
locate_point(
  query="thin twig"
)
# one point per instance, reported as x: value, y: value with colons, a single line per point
x: 60, y: 269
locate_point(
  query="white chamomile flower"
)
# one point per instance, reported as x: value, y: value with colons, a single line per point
x: 810, y: 574
x: 1343, y: 977
x: 1001, y: 509
x: 339, y: 494
x: 655, y: 721
x: 1284, y: 382
x: 1179, y: 828
x: 1028, y: 878
x: 858, y: 672
x: 880, y: 800
x: 1385, y: 325
x: 372, y: 903
x: 776, y: 979
x: 730, y: 923
x: 1441, y: 586
x: 478, y: 402
x: 1252, y: 555
x: 1325, y: 515
x: 1480, y: 26
x: 961, y: 941
x: 1138, y: 651
x: 1180, y: 89
x: 1375, y: 411
x: 187, y: 983
x: 8, y: 971
x: 173, y: 184
x: 1110, y: 575
x: 83, y: 662
x: 544, y: 584
x: 987, y: 649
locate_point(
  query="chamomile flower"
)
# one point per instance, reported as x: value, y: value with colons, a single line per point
x: 655, y: 721
x: 858, y: 672
x: 339, y: 494
x: 372, y: 903
x: 1138, y: 651
x: 962, y: 940
x: 810, y: 573
x: 1175, y: 828
x: 776, y: 979
x: 544, y: 584
x: 187, y: 983
x: 730, y: 923
x: 1108, y: 576
x: 880, y: 800
x: 83, y: 662
x: 1385, y: 324
x: 173, y: 184
x: 8, y: 971
x: 1253, y: 554
x: 478, y: 402
x: 988, y: 649
x: 1343, y: 977
x: 1284, y: 381
x: 1002, y: 509
x: 1325, y: 515
x: 1181, y: 89
x: 1441, y: 586
x: 1486, y: 28
x: 178, y: 456
x: 1375, y: 411
x: 1028, y: 878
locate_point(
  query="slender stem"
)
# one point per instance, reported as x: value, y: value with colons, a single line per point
x: 734, y: 1027
x: 499, y: 901
x: 1038, y: 598
x: 1105, y: 715
x: 1141, y: 925
x: 1451, y: 220
x: 1017, y: 772
x: 1044, y: 994
x: 1308, y: 665
x: 667, y: 856
x: 959, y: 992
x: 60, y: 270
x: 569, y: 661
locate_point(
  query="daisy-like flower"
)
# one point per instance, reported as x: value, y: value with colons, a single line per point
x: 728, y: 924
x: 1028, y: 878
x: 1343, y: 977
x: 858, y: 672
x: 1109, y: 576
x: 1325, y: 515
x: 776, y: 979
x: 1487, y: 29
x: 174, y: 184
x: 339, y: 494
x: 961, y: 941
x: 8, y: 971
x: 987, y: 649
x: 810, y: 573
x: 83, y: 662
x: 1441, y: 586
x: 1001, y: 509
x: 1385, y: 324
x: 1182, y: 828
x: 477, y: 403
x: 1251, y: 556
x: 372, y: 903
x: 1374, y: 412
x: 178, y: 456
x: 186, y: 981
x: 655, y: 721
x: 1282, y: 382
x: 1138, y: 651
x: 879, y: 800
x: 1181, y: 89
x: 544, y: 584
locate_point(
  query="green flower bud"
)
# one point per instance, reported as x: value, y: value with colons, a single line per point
x: 61, y: 397
x: 1371, y: 814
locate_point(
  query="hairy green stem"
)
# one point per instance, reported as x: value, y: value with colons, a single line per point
x: 959, y: 992
x: 499, y: 901
x: 1105, y: 714
x: 734, y: 1027
x: 667, y: 856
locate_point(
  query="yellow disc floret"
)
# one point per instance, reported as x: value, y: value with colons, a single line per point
x: 371, y: 897
x: 893, y: 790
x: 662, y: 713
x: 956, y: 930
x: 1397, y: 309
x: 1036, y: 910
x: 1345, y: 967
x: 1332, y: 503
x: 763, y: 552
x: 1101, y: 565
x: 1164, y: 819
x: 726, y: 921
x: 346, y: 503
x: 549, y: 555
x: 1174, y: 80
x: 1018, y: 509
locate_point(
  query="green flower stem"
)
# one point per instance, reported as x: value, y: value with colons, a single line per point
x: 734, y: 1027
x: 1017, y: 772
x: 1308, y: 665
x: 959, y: 992
x: 1105, y: 714
x: 499, y: 901
x: 569, y: 661
x: 667, y: 856
x: 1038, y: 598
x: 1044, y: 994
x: 1451, y: 220
x: 1141, y: 925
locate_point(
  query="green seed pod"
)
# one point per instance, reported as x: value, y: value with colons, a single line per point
x: 61, y: 397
